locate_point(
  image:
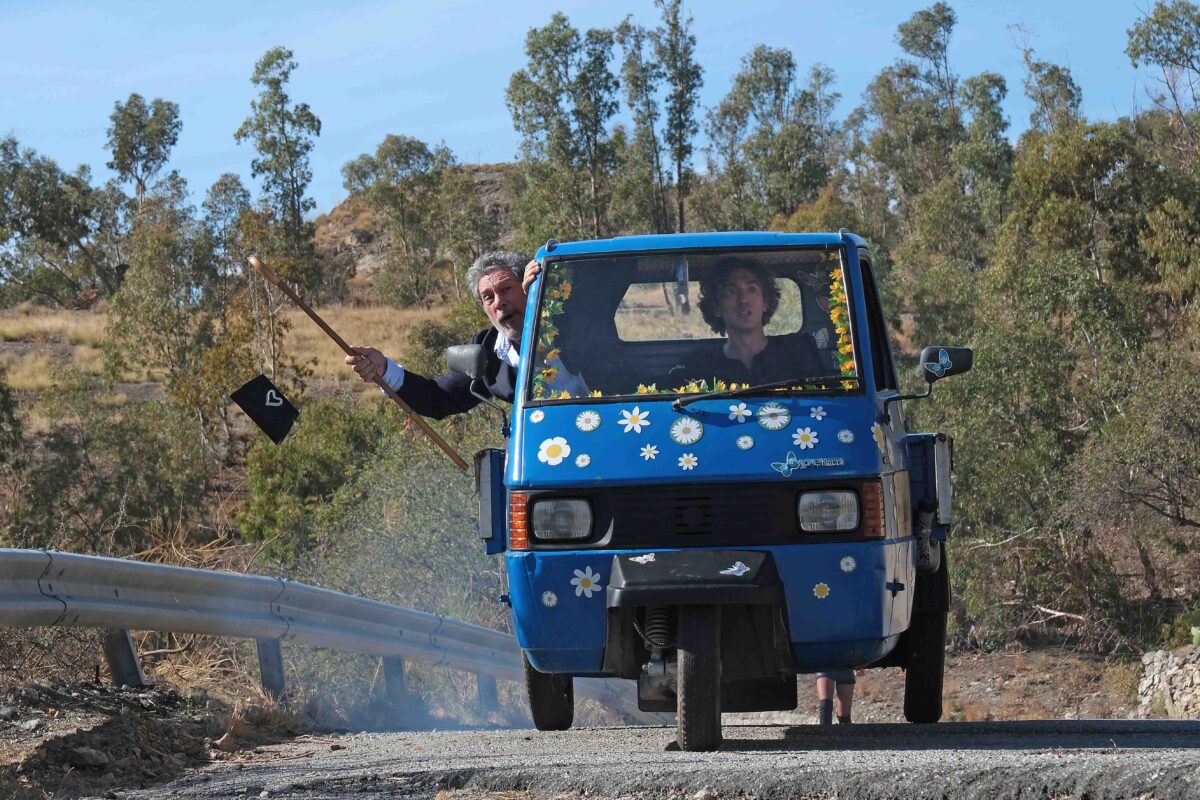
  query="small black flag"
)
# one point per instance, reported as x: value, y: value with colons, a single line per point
x: 267, y: 406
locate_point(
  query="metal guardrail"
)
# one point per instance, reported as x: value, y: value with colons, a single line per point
x: 50, y: 588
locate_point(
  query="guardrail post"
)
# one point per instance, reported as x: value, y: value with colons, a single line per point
x: 122, y: 659
x: 395, y: 680
x: 270, y: 667
x: 486, y: 686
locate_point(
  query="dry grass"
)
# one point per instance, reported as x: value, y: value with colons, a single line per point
x: 27, y: 323
x: 42, y: 342
x: 386, y: 329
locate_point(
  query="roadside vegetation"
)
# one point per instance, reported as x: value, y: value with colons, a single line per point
x: 1068, y: 257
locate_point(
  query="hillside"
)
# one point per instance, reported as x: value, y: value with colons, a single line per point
x: 353, y: 232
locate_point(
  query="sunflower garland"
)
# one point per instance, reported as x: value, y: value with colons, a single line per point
x: 557, y: 291
x: 839, y: 315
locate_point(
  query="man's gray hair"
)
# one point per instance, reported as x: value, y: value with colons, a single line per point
x: 493, y: 261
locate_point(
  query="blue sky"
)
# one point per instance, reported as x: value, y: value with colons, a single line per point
x: 438, y: 70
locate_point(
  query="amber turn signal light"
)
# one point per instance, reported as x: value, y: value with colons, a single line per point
x: 872, y: 511
x: 518, y: 521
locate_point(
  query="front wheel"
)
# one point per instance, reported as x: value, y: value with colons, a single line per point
x: 551, y: 698
x: 698, y: 686
x: 926, y: 639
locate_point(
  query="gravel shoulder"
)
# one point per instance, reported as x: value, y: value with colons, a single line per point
x: 1093, y: 759
x: 87, y: 739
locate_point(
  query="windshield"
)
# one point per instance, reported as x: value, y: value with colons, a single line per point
x: 686, y: 323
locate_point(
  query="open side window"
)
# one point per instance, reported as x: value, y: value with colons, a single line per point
x: 882, y: 363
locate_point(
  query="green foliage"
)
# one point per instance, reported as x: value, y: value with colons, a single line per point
x: 12, y: 442
x: 427, y: 349
x: 289, y: 483
x: 767, y: 144
x: 403, y: 529
x: 59, y: 236
x: 140, y: 139
x: 429, y: 211
x: 561, y: 104
x: 283, y: 134
x: 926, y: 36
x: 159, y: 319
x: 640, y: 160
x: 1183, y: 630
x: 675, y: 47
x: 1069, y: 260
x: 101, y: 478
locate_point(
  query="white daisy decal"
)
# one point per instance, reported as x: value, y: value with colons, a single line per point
x: 586, y: 582
x: 687, y: 461
x: 821, y: 591
x: 553, y: 451
x: 587, y: 421
x: 848, y: 564
x: 537, y: 416
x: 805, y: 438
x: 549, y: 599
x: 745, y: 442
x: 774, y: 417
x: 649, y: 452
x: 817, y: 413
x: 739, y: 412
x: 634, y: 420
x: 845, y: 436
x: 686, y: 430
x: 582, y: 460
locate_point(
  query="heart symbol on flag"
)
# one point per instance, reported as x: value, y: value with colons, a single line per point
x: 273, y: 399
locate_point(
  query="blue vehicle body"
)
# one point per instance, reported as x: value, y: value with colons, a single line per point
x: 731, y: 474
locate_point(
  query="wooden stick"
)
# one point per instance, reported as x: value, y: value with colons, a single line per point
x: 258, y: 264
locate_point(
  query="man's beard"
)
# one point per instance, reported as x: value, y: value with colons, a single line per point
x: 509, y: 329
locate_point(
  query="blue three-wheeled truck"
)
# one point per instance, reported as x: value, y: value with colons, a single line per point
x: 709, y: 485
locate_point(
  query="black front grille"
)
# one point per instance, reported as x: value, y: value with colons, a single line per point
x: 708, y: 515
x: 697, y: 515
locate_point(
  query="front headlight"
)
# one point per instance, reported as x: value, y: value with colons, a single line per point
x: 827, y: 512
x: 555, y: 519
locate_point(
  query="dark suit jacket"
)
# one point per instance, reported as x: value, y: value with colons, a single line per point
x: 451, y: 393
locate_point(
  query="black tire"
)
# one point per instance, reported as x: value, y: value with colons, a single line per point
x: 551, y: 698
x: 926, y: 645
x: 699, y: 678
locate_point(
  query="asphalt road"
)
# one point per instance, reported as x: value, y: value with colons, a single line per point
x: 1097, y: 760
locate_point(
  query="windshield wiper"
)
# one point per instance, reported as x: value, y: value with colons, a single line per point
x: 683, y: 402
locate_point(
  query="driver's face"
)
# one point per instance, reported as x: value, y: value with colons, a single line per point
x: 740, y: 301
x: 503, y: 302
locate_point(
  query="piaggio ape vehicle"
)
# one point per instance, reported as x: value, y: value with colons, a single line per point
x: 706, y: 524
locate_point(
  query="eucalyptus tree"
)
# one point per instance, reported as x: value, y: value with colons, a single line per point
x: 643, y: 188
x: 561, y: 104
x: 60, y: 236
x: 767, y: 150
x: 283, y: 134
x: 1055, y: 95
x: 400, y: 182
x: 1168, y: 38
x: 140, y: 139
x: 675, y: 48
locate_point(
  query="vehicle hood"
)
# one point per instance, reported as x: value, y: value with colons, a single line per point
x: 648, y: 442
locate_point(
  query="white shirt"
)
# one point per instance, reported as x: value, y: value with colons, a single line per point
x: 393, y: 376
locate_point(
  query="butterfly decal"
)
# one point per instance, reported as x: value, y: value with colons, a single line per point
x: 738, y: 569
x: 786, y: 468
x: 943, y: 363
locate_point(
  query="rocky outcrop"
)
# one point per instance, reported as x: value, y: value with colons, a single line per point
x: 351, y: 232
x: 1170, y: 684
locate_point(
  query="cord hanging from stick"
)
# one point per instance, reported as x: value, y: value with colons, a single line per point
x: 266, y: 272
